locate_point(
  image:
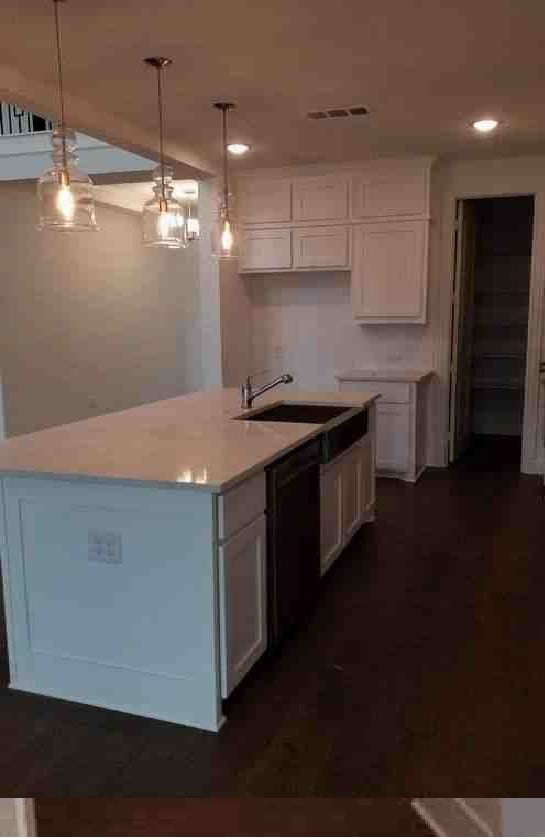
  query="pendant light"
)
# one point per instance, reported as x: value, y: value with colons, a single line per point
x: 224, y: 240
x: 163, y: 224
x: 65, y: 193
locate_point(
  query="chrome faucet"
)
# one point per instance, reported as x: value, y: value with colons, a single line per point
x: 249, y: 395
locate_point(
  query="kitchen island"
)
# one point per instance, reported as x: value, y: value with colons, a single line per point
x: 133, y: 548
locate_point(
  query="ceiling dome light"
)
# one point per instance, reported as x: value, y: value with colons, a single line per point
x: 238, y: 148
x: 485, y: 125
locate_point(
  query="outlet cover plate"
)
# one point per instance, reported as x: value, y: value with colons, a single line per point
x: 104, y: 547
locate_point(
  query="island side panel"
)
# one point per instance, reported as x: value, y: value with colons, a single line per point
x: 134, y: 628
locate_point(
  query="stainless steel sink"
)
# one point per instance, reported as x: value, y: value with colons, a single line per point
x: 287, y: 412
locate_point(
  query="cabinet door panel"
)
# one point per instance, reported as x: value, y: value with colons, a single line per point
x: 389, y: 280
x: 243, y: 620
x: 386, y: 195
x: 320, y: 247
x: 393, y: 437
x: 264, y: 201
x: 263, y: 250
x: 352, y: 487
x: 321, y: 198
x: 331, y: 522
x: 367, y: 486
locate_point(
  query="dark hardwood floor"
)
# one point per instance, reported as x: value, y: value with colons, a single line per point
x: 135, y: 817
x: 420, y: 672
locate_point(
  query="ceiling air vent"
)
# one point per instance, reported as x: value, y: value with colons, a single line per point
x: 336, y: 113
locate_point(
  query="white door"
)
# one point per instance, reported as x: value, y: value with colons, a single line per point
x: 243, y: 608
x: 331, y: 517
x: 462, y: 329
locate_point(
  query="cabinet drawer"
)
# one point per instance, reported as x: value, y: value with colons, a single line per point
x: 320, y: 198
x: 320, y: 247
x: 241, y: 505
x: 263, y: 250
x: 264, y: 201
x: 391, y: 392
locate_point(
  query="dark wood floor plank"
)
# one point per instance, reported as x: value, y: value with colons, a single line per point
x: 229, y: 817
x: 419, y: 673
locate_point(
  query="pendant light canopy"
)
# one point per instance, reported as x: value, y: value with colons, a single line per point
x: 224, y: 239
x: 65, y: 193
x: 163, y: 222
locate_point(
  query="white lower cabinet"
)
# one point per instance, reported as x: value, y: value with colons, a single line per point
x: 352, y: 485
x: 401, y: 420
x: 347, y: 497
x: 393, y: 437
x: 243, y: 602
x: 331, y: 513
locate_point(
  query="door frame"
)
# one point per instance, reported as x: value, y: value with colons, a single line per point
x: 532, y: 443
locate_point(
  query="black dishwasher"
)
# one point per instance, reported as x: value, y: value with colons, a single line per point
x: 293, y: 539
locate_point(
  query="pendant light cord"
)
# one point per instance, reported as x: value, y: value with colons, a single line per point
x: 61, y: 86
x: 225, y: 165
x: 161, y: 142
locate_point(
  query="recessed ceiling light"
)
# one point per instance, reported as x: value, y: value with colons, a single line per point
x: 485, y: 125
x: 238, y: 148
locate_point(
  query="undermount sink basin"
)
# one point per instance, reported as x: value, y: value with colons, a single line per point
x: 297, y: 413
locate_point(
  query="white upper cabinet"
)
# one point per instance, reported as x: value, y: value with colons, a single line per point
x: 265, y: 249
x: 391, y: 189
x: 321, y: 247
x: 264, y: 200
x: 390, y: 272
x: 321, y: 198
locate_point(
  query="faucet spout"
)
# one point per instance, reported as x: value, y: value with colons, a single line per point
x: 249, y: 395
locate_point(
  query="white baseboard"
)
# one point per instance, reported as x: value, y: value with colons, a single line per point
x: 452, y: 818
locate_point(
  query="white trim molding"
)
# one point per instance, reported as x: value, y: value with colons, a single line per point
x: 17, y: 818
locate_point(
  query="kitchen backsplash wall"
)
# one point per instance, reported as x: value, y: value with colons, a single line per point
x: 303, y: 323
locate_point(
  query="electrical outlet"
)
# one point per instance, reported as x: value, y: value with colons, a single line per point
x: 104, y: 547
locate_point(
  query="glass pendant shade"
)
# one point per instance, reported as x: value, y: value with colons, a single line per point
x: 65, y: 193
x: 163, y: 218
x: 224, y: 234
x: 192, y: 225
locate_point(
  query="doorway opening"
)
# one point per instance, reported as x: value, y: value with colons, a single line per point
x: 493, y: 253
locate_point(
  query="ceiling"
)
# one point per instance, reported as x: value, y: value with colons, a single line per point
x: 423, y: 68
x: 133, y: 196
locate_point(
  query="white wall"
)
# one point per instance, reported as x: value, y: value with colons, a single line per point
x: 91, y: 323
x: 17, y: 818
x: 303, y: 323
x: 523, y: 817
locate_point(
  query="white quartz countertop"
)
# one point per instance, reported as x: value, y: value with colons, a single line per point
x: 384, y: 375
x: 192, y: 440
